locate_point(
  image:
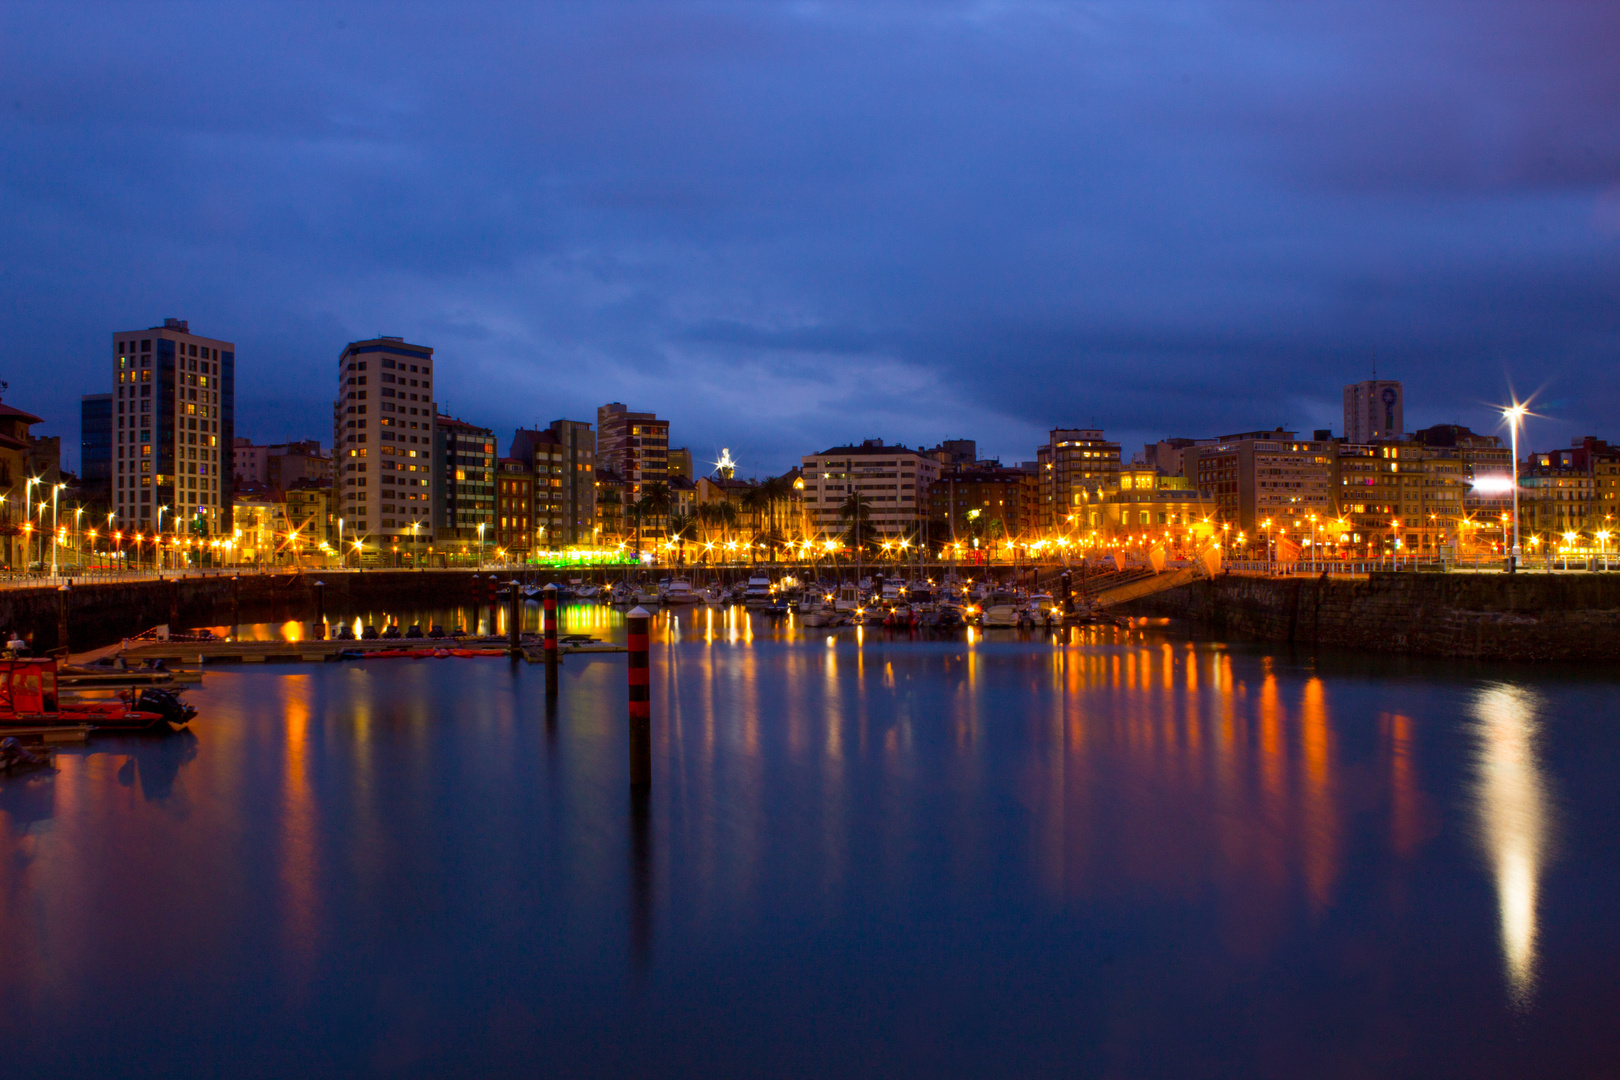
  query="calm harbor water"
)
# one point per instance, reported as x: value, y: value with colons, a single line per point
x: 1121, y: 854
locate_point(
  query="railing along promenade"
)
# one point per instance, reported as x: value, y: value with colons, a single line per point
x: 822, y: 568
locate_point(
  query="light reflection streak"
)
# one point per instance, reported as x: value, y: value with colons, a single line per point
x: 1513, y: 810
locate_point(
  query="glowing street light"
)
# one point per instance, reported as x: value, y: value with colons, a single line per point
x: 1514, y: 415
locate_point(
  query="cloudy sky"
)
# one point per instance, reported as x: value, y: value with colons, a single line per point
x: 788, y: 225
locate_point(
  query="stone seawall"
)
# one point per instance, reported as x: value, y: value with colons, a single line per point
x: 1477, y: 616
x: 102, y: 613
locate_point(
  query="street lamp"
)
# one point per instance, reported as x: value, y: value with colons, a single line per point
x: 1515, y: 417
x: 480, y: 545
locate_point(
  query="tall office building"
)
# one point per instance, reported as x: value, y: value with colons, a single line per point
x: 636, y: 447
x: 174, y: 418
x: 95, y: 454
x: 384, y: 453
x: 1373, y: 410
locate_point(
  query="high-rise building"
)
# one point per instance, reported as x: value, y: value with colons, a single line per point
x: 174, y: 418
x: 562, y: 460
x: 1074, y: 465
x: 95, y: 455
x: 893, y: 481
x: 636, y: 447
x: 466, y: 489
x: 384, y: 452
x: 1373, y: 410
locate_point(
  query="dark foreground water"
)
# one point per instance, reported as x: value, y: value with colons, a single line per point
x: 1129, y: 856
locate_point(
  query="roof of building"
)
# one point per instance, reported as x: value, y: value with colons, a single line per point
x: 17, y: 414
x: 310, y: 483
x: 871, y: 447
x: 456, y: 424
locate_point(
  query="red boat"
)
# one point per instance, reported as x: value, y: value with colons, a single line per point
x: 29, y: 698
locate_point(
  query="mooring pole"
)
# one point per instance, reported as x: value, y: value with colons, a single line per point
x: 320, y: 611
x: 514, y: 608
x: 62, y: 594
x: 548, y: 606
x: 640, y: 702
x: 236, y: 605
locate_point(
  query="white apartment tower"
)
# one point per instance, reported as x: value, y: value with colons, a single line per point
x: 383, y: 440
x: 173, y: 424
x: 1374, y: 411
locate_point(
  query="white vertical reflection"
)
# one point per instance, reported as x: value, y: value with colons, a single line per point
x: 1512, y: 807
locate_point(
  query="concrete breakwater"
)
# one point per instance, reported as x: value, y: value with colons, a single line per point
x: 1526, y: 616
x: 104, y: 612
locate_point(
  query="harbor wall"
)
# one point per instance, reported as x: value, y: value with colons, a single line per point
x: 1525, y: 616
x: 103, y: 613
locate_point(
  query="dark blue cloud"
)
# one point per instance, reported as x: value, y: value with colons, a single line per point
x: 784, y: 226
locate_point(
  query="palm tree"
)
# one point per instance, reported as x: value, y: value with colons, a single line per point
x: 654, y: 504
x: 855, y: 509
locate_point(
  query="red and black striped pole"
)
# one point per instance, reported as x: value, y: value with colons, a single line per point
x: 514, y: 617
x: 640, y: 702
x: 548, y: 607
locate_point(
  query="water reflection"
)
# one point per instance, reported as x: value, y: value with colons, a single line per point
x: 1512, y: 808
x: 389, y: 854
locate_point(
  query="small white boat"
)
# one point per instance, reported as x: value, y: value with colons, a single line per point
x: 758, y: 593
x: 679, y: 591
x: 999, y: 615
x: 714, y: 595
x: 848, y: 598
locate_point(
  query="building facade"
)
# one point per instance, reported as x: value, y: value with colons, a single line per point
x: 1075, y: 464
x: 1374, y: 410
x: 384, y: 452
x: 1260, y: 476
x: 310, y: 513
x: 464, y: 497
x: 1487, y: 464
x: 893, y: 481
x: 1150, y: 507
x: 562, y: 458
x: 1399, y: 497
x: 635, y: 446
x: 95, y: 455
x: 988, y: 503
x: 14, y: 477
x: 173, y: 425
x: 514, y: 508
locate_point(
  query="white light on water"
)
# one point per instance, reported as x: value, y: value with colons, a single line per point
x: 1512, y: 808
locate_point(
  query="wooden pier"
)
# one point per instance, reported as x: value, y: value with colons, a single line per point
x: 205, y: 653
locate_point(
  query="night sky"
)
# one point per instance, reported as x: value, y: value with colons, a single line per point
x: 785, y: 226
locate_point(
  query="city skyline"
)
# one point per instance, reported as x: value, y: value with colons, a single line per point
x: 788, y: 227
